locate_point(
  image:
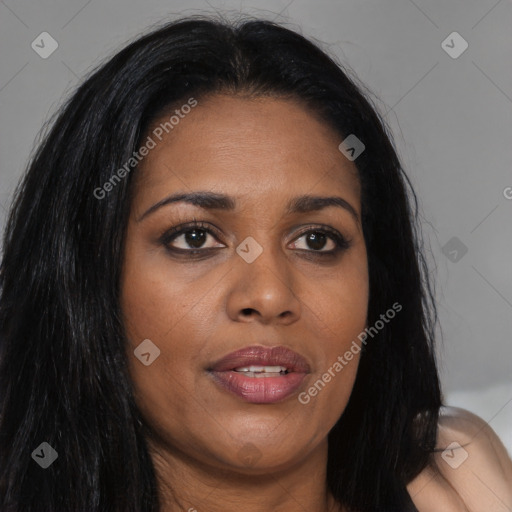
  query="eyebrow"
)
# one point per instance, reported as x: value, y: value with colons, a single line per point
x: 214, y: 201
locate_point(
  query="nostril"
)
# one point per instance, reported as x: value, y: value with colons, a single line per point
x: 247, y: 311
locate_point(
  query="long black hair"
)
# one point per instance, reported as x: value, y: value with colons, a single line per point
x: 63, y: 368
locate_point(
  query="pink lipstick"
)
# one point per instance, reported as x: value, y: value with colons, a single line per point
x: 260, y: 374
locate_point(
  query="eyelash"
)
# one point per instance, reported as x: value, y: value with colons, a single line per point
x: 169, y: 236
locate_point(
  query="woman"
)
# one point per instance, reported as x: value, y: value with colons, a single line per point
x: 213, y: 297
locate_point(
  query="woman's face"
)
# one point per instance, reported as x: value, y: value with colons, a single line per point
x: 264, y: 275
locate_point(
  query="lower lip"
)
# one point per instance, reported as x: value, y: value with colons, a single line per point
x: 259, y: 390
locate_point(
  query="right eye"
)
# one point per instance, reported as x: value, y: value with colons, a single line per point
x: 190, y: 238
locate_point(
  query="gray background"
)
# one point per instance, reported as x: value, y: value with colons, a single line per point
x: 451, y: 117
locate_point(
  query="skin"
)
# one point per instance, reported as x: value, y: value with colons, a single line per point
x: 262, y: 153
x: 480, y: 482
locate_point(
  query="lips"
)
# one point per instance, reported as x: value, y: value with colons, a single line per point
x: 262, y: 356
x: 265, y: 375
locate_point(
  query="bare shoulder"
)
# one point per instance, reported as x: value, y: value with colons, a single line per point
x: 471, y: 470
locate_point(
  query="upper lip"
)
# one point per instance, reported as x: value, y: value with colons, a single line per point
x: 262, y: 356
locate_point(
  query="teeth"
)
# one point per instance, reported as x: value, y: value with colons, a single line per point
x: 260, y: 375
x: 261, y: 369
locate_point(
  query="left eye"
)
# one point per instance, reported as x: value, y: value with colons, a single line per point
x: 317, y: 240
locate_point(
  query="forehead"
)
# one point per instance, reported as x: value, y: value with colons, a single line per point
x: 250, y: 148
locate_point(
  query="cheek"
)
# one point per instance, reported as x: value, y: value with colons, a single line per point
x: 158, y: 310
x: 156, y: 298
x: 340, y: 309
x: 149, y: 305
x: 155, y: 308
x: 340, y: 303
x: 170, y: 308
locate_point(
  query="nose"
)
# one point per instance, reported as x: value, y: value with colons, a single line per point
x: 263, y: 290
